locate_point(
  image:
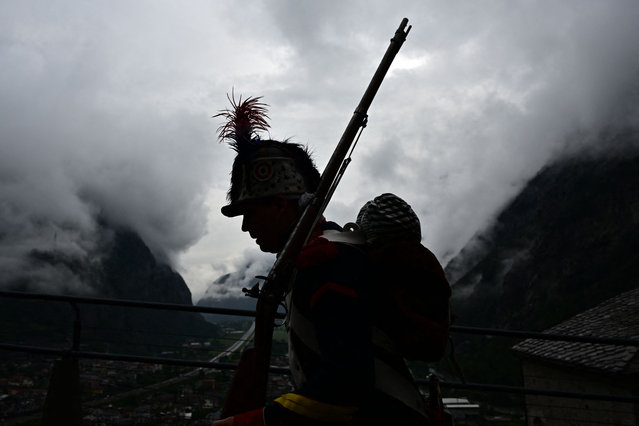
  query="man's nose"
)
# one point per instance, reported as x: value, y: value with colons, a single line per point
x: 245, y: 224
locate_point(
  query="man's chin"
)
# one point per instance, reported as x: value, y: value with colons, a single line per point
x: 265, y: 248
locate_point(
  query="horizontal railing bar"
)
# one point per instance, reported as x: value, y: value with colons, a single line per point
x: 129, y: 358
x: 251, y: 313
x: 545, y: 336
x: 133, y: 303
x: 286, y: 371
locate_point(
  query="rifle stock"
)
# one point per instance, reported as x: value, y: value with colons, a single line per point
x: 248, y: 388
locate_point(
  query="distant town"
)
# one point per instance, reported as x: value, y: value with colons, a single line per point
x: 117, y: 392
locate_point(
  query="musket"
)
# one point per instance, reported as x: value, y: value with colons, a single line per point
x: 248, y: 388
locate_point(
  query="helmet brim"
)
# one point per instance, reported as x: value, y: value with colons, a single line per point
x: 235, y: 209
x: 238, y: 208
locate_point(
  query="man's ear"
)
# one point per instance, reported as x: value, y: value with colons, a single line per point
x: 286, y: 208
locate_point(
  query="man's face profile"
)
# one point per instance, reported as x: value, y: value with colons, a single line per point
x: 268, y: 222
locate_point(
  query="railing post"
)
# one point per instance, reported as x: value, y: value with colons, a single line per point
x: 63, y: 404
x: 77, y: 328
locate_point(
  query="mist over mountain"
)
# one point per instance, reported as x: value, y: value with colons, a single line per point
x: 567, y: 242
x: 226, y: 291
x: 119, y: 266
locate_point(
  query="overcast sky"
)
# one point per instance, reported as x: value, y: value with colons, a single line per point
x: 105, y: 106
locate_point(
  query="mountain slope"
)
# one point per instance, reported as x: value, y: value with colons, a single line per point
x: 568, y: 241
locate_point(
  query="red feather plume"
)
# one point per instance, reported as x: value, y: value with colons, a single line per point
x: 243, y: 121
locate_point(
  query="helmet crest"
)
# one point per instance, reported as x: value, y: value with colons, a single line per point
x: 244, y: 120
x: 262, y: 168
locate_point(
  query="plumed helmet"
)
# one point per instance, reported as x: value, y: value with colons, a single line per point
x: 262, y: 168
x: 388, y: 218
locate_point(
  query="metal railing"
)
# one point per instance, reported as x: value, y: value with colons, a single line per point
x: 75, y: 352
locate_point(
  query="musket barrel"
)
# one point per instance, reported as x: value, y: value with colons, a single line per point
x: 357, y: 121
x: 396, y: 43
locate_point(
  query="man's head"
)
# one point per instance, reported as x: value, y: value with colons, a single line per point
x: 267, y: 168
x: 267, y: 177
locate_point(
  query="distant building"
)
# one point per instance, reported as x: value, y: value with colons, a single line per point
x: 462, y: 410
x: 585, y: 367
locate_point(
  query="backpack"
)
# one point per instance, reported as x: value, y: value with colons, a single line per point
x: 411, y: 295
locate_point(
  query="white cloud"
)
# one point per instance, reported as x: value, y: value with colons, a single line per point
x: 107, y: 106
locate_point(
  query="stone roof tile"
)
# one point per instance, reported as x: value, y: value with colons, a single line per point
x: 617, y: 318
